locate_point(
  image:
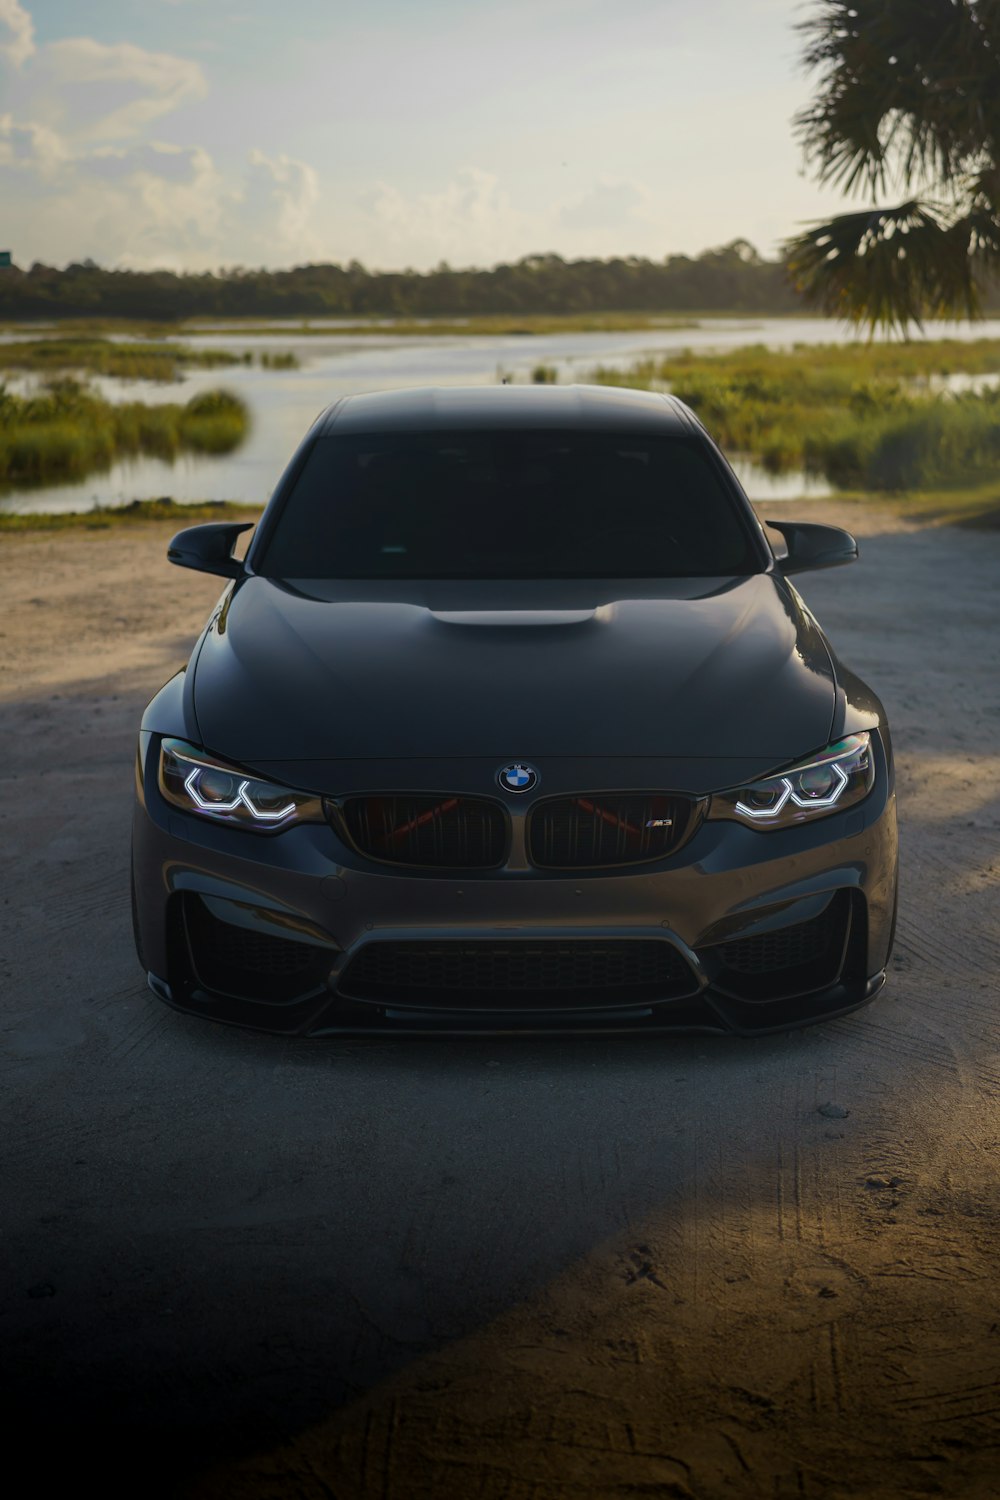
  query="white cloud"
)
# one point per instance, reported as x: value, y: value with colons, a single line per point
x: 79, y: 176
x: 30, y: 146
x: 389, y: 101
x: 139, y: 86
x: 156, y: 159
x: 477, y: 219
x: 471, y: 219
x: 18, y: 22
x: 278, y: 199
x: 143, y: 207
x: 155, y: 204
x: 611, y: 204
x: 168, y: 219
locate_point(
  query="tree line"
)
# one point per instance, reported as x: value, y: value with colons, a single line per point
x: 732, y: 278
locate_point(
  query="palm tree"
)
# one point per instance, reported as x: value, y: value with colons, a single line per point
x: 908, y: 104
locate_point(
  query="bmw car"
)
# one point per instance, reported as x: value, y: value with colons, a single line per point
x: 510, y: 718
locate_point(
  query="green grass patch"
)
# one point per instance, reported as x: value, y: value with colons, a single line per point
x: 864, y: 416
x: 67, y: 432
x: 103, y: 518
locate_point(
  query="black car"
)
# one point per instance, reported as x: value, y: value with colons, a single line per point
x: 511, y: 719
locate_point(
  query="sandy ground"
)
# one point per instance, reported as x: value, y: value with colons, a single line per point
x: 239, y: 1266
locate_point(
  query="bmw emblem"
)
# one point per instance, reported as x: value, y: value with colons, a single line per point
x: 518, y: 778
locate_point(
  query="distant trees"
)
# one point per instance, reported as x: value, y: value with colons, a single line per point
x: 908, y: 103
x: 731, y: 278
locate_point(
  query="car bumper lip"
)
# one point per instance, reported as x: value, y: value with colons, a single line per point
x: 728, y: 882
x: 711, y: 1013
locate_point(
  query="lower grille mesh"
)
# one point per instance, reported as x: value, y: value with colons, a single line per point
x: 521, y: 973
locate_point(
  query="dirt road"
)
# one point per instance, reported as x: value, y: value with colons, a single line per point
x: 240, y: 1266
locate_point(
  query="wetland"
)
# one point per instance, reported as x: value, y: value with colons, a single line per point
x: 802, y: 407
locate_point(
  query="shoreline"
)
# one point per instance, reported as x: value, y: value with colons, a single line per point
x: 135, y: 512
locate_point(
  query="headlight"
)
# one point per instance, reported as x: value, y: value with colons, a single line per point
x: 836, y: 778
x: 198, y: 783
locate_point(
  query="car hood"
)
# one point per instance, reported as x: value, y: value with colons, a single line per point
x: 683, y: 668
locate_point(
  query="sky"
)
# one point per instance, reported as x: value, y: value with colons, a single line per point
x: 400, y: 133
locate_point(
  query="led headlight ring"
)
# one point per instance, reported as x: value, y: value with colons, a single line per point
x: 190, y: 786
x: 787, y: 791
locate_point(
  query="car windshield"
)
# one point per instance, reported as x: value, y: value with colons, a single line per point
x: 509, y: 505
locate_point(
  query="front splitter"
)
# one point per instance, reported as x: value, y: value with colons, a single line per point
x: 709, y: 1012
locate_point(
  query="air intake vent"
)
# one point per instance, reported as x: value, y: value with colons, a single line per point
x: 519, y: 974
x: 607, y: 828
x: 788, y: 947
x: 800, y: 959
x: 247, y: 964
x: 456, y: 833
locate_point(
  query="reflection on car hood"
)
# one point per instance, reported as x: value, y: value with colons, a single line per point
x: 683, y: 668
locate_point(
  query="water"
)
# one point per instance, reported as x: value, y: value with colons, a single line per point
x: 284, y: 402
x: 772, y: 488
x: 960, y: 382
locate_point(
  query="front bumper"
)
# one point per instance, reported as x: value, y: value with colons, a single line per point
x: 267, y: 932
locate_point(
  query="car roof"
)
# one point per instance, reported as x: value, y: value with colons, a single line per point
x: 447, y: 408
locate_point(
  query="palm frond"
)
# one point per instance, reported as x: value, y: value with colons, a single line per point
x: 909, y: 91
x: 890, y: 268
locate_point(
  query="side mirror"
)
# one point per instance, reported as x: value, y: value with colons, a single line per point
x: 209, y: 549
x: 811, y: 547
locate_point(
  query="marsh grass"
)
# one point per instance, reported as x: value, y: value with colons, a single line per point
x: 285, y: 361
x: 353, y: 326
x: 96, y: 356
x: 132, y: 361
x: 481, y: 325
x: 66, y: 432
x: 864, y: 416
